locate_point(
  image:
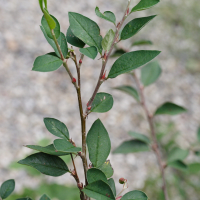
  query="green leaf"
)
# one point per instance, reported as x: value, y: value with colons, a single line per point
x: 45, y: 3
x: 178, y: 164
x: 135, y: 195
x: 73, y: 40
x: 132, y: 146
x: 177, y: 154
x: 142, y: 42
x: 118, y: 53
x: 45, y: 197
x: 7, y: 188
x: 48, y: 30
x: 57, y: 128
x: 109, y: 16
x: 194, y: 168
x: 99, y: 190
x: 49, y: 19
x: 64, y: 145
x: 108, y: 40
x: 130, y: 61
x: 98, y: 143
x: 198, y: 134
x: 129, y: 90
x: 41, y: 4
x: 139, y: 136
x: 61, y: 41
x: 103, y: 102
x: 135, y: 26
x: 95, y: 174
x: 26, y: 198
x: 150, y: 73
x: 86, y: 30
x: 144, y: 4
x: 47, y: 63
x: 90, y: 52
x: 111, y: 183
x: 50, y: 149
x: 107, y: 169
x: 197, y: 153
x: 169, y: 108
x: 46, y: 164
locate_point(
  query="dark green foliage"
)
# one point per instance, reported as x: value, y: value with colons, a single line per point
x: 7, y: 188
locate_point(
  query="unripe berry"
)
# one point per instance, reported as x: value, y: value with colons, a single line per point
x: 122, y: 180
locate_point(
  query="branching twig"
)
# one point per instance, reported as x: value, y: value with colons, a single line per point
x: 107, y: 55
x: 155, y: 146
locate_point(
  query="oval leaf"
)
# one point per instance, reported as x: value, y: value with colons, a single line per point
x: 57, y: 128
x: 41, y: 5
x: 109, y: 16
x: 65, y: 146
x: 118, y: 53
x: 47, y: 63
x: 135, y: 26
x: 129, y: 90
x: 48, y: 30
x: 169, y: 108
x: 86, y: 30
x: 135, y: 195
x: 50, y: 149
x: 177, y: 154
x: 108, y: 40
x: 140, y: 137
x: 61, y: 41
x: 7, y: 188
x: 150, y: 73
x: 111, y: 183
x: 73, y: 40
x: 45, y: 197
x: 144, y: 4
x: 132, y: 60
x: 90, y: 52
x: 142, y: 42
x: 46, y: 164
x: 103, y: 102
x: 132, y: 146
x: 95, y: 174
x: 107, y: 169
x: 99, y: 190
x: 98, y: 143
x: 49, y: 19
x: 178, y: 164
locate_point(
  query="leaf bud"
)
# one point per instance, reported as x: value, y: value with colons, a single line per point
x: 73, y: 80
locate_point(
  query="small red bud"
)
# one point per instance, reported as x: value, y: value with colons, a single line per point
x: 127, y: 12
x: 89, y: 108
x: 80, y: 61
x: 73, y: 80
x: 122, y: 180
x: 118, y: 198
x: 104, y: 76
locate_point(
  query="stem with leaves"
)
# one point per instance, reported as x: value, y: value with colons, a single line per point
x: 106, y: 57
x: 155, y: 145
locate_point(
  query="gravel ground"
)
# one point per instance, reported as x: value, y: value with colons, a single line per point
x: 27, y: 97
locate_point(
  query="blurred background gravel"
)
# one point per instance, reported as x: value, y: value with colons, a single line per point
x: 27, y: 97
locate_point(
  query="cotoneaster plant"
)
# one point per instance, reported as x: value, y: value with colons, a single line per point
x: 84, y: 33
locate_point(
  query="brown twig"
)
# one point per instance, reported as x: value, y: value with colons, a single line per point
x: 105, y: 59
x: 75, y: 175
x: 155, y: 146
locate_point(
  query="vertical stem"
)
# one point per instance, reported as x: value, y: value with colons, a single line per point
x: 153, y: 135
